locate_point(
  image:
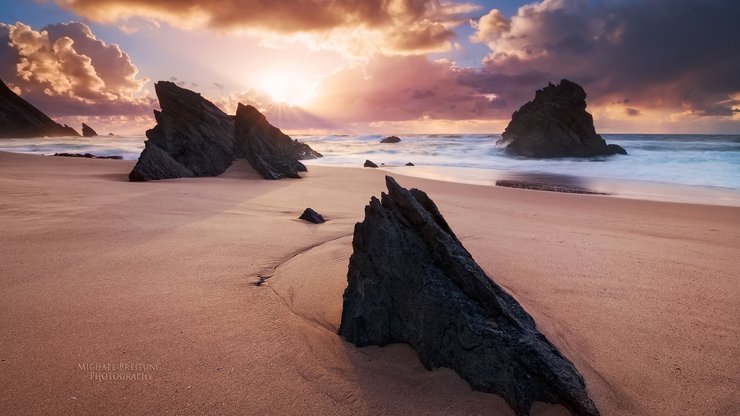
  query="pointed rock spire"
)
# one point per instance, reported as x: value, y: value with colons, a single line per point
x: 410, y: 280
x: 271, y: 152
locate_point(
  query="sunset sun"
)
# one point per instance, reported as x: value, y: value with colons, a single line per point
x: 288, y: 88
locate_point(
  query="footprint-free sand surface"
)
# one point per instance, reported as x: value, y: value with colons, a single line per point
x: 153, y: 282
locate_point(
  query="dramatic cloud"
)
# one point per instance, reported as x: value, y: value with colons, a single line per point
x: 680, y: 55
x: 65, y: 69
x: 392, y: 26
x: 401, y: 88
x: 386, y: 90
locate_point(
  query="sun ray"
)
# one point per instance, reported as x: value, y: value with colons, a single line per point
x: 288, y: 88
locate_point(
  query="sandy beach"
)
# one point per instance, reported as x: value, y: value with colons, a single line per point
x: 644, y: 297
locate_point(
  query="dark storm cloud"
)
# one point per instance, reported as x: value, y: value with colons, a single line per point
x: 681, y: 54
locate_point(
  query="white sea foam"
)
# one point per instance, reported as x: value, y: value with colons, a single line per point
x: 129, y: 147
x: 704, y: 160
x: 674, y: 159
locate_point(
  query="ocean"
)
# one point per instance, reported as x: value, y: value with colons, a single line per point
x: 686, y: 168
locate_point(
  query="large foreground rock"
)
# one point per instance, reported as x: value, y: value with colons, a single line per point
x: 272, y: 153
x: 410, y: 280
x: 193, y: 137
x: 556, y: 124
x: 19, y: 118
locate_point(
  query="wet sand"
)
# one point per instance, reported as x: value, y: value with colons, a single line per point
x: 95, y: 271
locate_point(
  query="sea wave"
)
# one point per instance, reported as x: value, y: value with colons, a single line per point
x: 705, y: 160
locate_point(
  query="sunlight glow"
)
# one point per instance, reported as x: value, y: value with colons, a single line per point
x: 288, y: 88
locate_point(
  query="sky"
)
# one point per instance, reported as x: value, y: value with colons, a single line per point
x: 383, y: 67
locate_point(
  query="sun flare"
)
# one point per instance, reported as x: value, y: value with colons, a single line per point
x: 288, y: 88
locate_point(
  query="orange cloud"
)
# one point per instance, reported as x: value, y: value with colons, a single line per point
x: 490, y: 27
x: 65, y: 69
x: 356, y: 26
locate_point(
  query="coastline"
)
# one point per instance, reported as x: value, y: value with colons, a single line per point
x: 673, y: 168
x: 640, y: 295
x: 617, y: 188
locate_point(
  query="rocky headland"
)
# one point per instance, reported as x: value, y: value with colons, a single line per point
x: 19, y: 118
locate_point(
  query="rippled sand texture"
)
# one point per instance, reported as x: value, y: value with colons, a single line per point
x: 642, y: 296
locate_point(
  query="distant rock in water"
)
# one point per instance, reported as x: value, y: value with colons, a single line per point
x: 193, y: 137
x: 273, y: 154
x: 410, y: 280
x: 155, y: 163
x: 391, y: 139
x: 312, y: 216
x: 369, y: 164
x: 18, y: 118
x: 87, y: 156
x: 409, y: 164
x: 617, y: 149
x: 556, y: 124
x: 87, y: 131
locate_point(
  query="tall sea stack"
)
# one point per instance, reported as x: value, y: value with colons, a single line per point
x: 556, y: 124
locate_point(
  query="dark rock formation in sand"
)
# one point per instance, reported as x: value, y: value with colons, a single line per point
x: 391, y: 139
x: 155, y: 163
x: 410, y: 280
x: 87, y: 156
x: 312, y: 216
x: 193, y: 137
x: 88, y: 131
x: 273, y: 154
x: 18, y: 118
x: 556, y: 124
x: 369, y: 164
